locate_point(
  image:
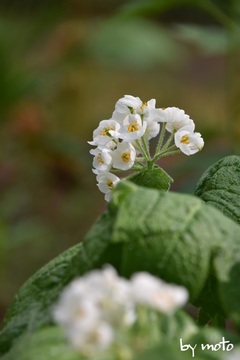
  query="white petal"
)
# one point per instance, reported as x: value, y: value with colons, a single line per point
x: 128, y: 101
x: 107, y: 182
x: 106, y: 130
x: 151, y: 291
x: 124, y: 156
x: 153, y: 129
x: 133, y: 128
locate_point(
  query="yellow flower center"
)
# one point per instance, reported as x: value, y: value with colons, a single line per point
x: 110, y: 184
x: 105, y: 131
x: 185, y: 140
x: 133, y: 127
x: 99, y: 159
x: 126, y: 157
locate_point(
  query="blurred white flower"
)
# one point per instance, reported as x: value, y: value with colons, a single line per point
x: 124, y: 156
x: 95, y: 307
x: 98, y: 338
x: 106, y: 130
x: 187, y: 141
x: 151, y: 291
x: 92, y: 307
x: 106, y: 183
x: 112, y: 295
x: 234, y: 355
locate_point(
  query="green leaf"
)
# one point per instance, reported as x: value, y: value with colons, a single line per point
x: 32, y: 306
x: 174, y: 236
x: 217, y: 38
x: 144, y: 44
x: 227, y: 268
x: 219, y: 186
x: 156, y: 178
x: 170, y: 235
x: 48, y: 343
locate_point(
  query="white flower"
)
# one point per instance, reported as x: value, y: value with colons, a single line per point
x: 153, y: 129
x: 133, y: 128
x: 124, y: 156
x: 128, y: 104
x: 187, y: 141
x: 106, y: 183
x: 91, y: 307
x: 151, y: 291
x: 174, y: 117
x: 148, y: 114
x: 102, y: 160
x: 115, y: 301
x: 106, y: 130
x: 132, y: 105
x: 73, y: 310
x: 90, y: 342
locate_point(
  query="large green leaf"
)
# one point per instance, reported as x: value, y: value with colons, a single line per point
x: 170, y: 235
x: 144, y: 44
x: 227, y: 268
x: 220, y: 186
x: 177, y: 237
x: 32, y: 306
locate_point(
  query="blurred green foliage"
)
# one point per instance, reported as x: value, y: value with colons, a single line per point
x: 63, y: 65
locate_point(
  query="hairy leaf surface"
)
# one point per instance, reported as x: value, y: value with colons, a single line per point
x: 219, y: 186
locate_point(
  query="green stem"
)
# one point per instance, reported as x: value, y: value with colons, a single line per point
x: 170, y: 153
x: 116, y: 170
x: 168, y: 142
x: 146, y: 146
x: 142, y: 149
x: 138, y: 165
x: 163, y: 152
x: 173, y: 147
x: 161, y: 137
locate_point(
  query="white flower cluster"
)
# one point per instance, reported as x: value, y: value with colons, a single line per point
x: 94, y: 307
x: 122, y: 142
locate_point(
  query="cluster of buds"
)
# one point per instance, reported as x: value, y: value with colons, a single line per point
x: 122, y: 142
x: 94, y: 308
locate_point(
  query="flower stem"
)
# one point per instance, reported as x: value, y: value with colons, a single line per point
x: 146, y: 146
x: 168, y: 142
x: 161, y: 137
x: 142, y: 149
x: 173, y: 147
x: 170, y: 153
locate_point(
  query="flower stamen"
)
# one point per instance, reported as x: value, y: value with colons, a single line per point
x: 105, y: 131
x: 99, y: 159
x: 110, y: 184
x: 185, y: 140
x: 133, y: 127
x: 126, y: 157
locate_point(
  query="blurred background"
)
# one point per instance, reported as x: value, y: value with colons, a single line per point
x: 63, y: 66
